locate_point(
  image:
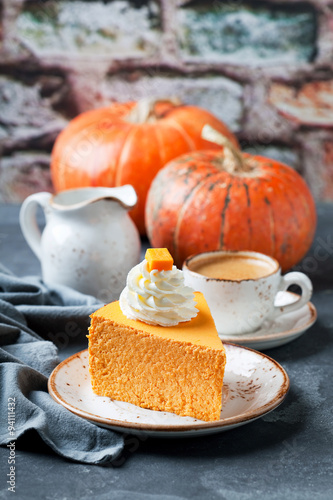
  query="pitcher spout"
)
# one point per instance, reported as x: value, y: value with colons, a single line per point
x: 78, y: 198
x: 126, y: 195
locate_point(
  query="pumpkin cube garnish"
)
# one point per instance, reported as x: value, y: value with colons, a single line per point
x: 159, y: 258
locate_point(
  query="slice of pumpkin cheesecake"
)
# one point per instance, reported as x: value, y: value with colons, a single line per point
x: 171, y: 359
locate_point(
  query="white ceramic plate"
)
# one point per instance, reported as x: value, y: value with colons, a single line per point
x: 254, y: 384
x: 284, y: 329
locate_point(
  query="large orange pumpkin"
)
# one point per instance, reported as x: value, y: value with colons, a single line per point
x: 128, y: 144
x: 209, y: 200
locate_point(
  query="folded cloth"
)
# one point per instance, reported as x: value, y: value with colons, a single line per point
x: 29, y: 311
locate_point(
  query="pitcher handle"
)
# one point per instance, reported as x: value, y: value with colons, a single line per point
x: 28, y: 220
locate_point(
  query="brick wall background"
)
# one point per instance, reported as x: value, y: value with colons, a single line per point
x: 264, y: 67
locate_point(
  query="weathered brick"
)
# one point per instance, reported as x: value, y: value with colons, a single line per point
x: 312, y: 104
x: 328, y: 171
x: 219, y: 95
x: 26, y: 117
x: 116, y: 29
x: 283, y: 154
x: 325, y: 36
x: 1, y: 26
x: 9, y: 10
x: 262, y: 123
x: 317, y: 161
x: 23, y: 174
x: 62, y: 57
x: 247, y: 33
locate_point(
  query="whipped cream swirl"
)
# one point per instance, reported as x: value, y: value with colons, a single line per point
x: 157, y: 297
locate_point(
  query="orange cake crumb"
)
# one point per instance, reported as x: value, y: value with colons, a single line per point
x: 177, y: 369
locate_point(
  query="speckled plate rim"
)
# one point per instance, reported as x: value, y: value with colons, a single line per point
x: 288, y: 335
x: 217, y: 424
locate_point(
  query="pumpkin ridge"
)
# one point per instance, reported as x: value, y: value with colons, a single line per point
x: 159, y: 140
x: 272, y: 223
x: 121, y: 163
x: 109, y: 157
x: 248, y: 202
x: 255, y: 218
x: 225, y: 207
x: 155, y: 185
x: 286, y: 246
x: 288, y: 182
x: 303, y: 192
x: 71, y: 155
x: 288, y: 171
x: 182, y: 211
x: 182, y: 132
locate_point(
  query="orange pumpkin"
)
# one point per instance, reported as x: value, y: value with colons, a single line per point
x: 209, y: 200
x: 128, y: 144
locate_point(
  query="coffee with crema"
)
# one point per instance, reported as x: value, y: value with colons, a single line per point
x: 235, y: 267
x: 243, y: 294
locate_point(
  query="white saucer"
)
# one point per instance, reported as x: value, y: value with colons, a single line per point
x: 284, y: 329
x: 254, y: 385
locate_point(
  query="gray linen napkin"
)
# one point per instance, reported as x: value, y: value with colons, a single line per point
x: 29, y: 311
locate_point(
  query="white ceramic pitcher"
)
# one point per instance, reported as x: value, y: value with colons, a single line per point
x: 89, y: 242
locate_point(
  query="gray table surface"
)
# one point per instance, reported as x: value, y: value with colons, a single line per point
x: 285, y: 454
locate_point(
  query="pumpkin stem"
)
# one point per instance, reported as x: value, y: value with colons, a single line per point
x: 145, y: 111
x: 233, y: 159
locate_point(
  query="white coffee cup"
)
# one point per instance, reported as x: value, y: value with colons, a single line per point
x: 244, y: 299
